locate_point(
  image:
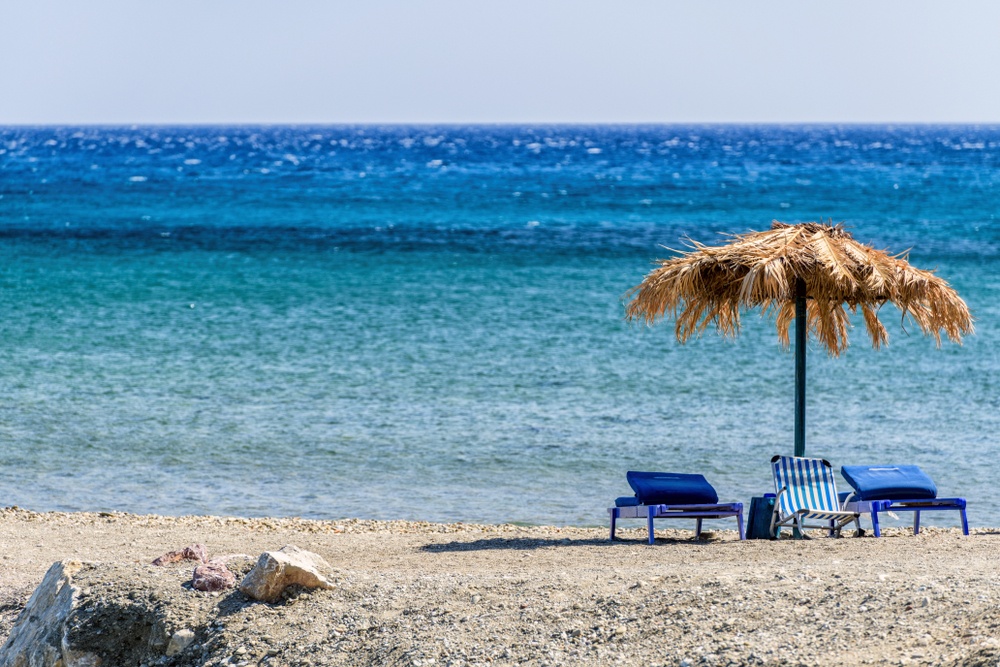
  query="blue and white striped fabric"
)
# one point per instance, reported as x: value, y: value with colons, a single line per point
x: 808, y: 483
x: 807, y: 490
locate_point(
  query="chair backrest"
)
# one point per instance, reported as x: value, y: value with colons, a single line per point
x: 808, y: 484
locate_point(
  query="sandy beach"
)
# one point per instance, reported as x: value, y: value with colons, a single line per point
x: 411, y: 593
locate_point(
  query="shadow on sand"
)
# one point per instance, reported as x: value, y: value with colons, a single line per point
x: 524, y: 544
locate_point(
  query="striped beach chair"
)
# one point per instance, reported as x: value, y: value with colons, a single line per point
x: 807, y: 491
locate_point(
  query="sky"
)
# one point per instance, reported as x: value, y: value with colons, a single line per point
x: 509, y: 61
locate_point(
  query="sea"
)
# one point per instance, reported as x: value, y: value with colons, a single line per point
x: 427, y: 322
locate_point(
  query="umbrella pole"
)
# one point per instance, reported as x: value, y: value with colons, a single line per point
x: 800, y: 367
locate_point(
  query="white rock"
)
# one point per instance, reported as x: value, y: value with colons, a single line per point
x: 277, y: 570
x: 180, y: 641
x: 40, y: 637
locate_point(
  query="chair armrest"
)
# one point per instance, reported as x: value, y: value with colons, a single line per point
x: 777, y: 498
x: 777, y: 511
x: 849, y: 498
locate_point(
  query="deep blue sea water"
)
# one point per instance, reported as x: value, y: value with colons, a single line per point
x: 427, y: 322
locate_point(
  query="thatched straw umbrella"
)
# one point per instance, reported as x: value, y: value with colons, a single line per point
x: 812, y: 273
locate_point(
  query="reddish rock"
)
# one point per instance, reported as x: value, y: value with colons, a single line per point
x: 212, y: 576
x: 194, y: 552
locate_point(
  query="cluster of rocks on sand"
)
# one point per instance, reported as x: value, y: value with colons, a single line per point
x: 63, y: 625
x: 412, y: 593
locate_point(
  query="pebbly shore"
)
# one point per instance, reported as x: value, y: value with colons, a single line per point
x: 421, y: 594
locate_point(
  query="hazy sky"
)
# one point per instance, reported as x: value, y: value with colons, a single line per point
x: 243, y: 61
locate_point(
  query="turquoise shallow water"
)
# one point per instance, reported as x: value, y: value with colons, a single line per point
x: 426, y: 322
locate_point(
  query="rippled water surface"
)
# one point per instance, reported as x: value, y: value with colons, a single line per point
x: 427, y: 322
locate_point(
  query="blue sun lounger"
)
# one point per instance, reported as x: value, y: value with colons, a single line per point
x: 671, y: 495
x: 896, y: 488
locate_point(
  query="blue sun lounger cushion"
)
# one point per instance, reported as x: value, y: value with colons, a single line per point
x: 671, y: 488
x: 889, y: 482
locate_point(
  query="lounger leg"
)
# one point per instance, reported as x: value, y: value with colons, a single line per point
x: 614, y: 518
x: 916, y: 522
x: 697, y: 529
x: 649, y: 522
x: 965, y: 523
x: 743, y: 534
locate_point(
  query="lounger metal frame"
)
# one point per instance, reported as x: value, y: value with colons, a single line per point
x: 696, y: 512
x: 873, y: 507
x: 807, y: 490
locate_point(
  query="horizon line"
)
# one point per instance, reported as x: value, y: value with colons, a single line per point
x: 488, y: 123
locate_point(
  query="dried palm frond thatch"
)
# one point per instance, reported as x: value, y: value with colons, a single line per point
x: 770, y: 269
